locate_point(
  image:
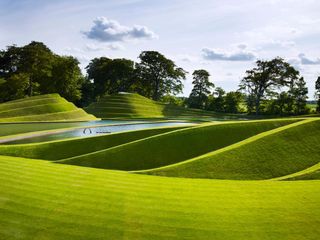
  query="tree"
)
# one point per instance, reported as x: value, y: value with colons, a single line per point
x: 318, y: 93
x: 232, y: 102
x: 216, y: 101
x: 68, y: 79
x: 45, y: 72
x: 111, y: 76
x: 158, y: 76
x: 298, y: 92
x: 201, y: 88
x: 265, y: 78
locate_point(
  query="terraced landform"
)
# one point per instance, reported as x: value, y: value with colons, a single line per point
x: 230, y: 180
x: 136, y: 106
x: 43, y: 108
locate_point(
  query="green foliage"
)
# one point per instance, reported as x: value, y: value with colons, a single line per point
x: 158, y: 75
x: 110, y: 76
x: 201, y: 89
x: 268, y: 76
x: 317, y: 87
x: 33, y: 69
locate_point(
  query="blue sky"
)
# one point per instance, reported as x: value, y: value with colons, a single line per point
x: 224, y: 37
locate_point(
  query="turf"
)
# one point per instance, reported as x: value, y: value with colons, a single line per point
x: 68, y: 148
x: 173, y: 147
x: 42, y: 200
x: 136, y: 106
x: 50, y: 107
x: 273, y: 154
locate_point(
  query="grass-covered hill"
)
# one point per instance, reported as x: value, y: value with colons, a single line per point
x: 40, y: 199
x: 279, y: 152
x: 43, y: 200
x: 136, y: 106
x: 60, y: 149
x: 50, y: 107
x: 173, y: 147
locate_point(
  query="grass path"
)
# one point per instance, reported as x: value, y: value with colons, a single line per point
x: 42, y: 200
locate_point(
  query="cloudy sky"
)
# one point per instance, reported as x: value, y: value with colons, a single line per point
x: 224, y: 37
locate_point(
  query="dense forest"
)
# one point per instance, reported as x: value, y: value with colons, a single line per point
x: 272, y: 87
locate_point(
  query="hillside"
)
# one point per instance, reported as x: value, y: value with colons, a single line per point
x: 279, y: 152
x: 173, y: 147
x: 136, y: 106
x: 43, y: 108
x: 42, y: 200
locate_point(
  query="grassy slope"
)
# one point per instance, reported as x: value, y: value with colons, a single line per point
x: 175, y: 146
x: 42, y: 200
x: 136, y: 106
x: 50, y: 107
x: 73, y: 147
x: 273, y: 154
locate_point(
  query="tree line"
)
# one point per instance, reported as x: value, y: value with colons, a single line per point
x: 271, y: 87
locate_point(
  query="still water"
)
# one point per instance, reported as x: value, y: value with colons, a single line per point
x: 90, y: 129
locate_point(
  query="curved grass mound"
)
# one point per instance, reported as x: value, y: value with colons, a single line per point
x: 50, y: 107
x: 73, y: 147
x: 41, y: 200
x: 136, y: 106
x: 174, y: 146
x: 273, y: 154
x: 311, y: 173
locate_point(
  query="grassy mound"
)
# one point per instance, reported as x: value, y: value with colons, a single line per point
x: 272, y: 154
x: 50, y: 107
x: 136, y: 106
x: 68, y: 148
x: 174, y: 146
x: 41, y: 200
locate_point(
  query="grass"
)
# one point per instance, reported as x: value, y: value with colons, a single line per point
x: 42, y: 200
x: 273, y: 154
x: 136, y: 106
x: 173, y: 147
x: 60, y: 149
x: 43, y: 108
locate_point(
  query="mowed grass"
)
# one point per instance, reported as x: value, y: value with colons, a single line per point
x: 175, y: 146
x: 50, y: 107
x: 273, y: 154
x: 42, y: 200
x: 137, y: 106
x: 61, y: 149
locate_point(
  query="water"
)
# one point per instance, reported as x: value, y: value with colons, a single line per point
x: 91, y: 129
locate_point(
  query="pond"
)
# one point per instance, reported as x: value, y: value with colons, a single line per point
x: 90, y: 129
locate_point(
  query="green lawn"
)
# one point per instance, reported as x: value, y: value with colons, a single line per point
x: 176, y: 146
x: 43, y: 200
x: 60, y: 149
x: 137, y: 106
x: 43, y: 108
x: 272, y: 154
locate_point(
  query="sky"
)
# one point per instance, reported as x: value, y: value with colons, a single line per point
x: 224, y: 37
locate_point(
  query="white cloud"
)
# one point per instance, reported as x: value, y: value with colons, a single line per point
x: 307, y: 61
x: 108, y: 30
x: 96, y: 48
x: 216, y: 55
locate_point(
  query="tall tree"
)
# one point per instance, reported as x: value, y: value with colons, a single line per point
x: 298, y: 92
x: 158, y: 75
x: 111, y: 76
x: 201, y: 88
x: 217, y: 103
x: 266, y: 77
x: 318, y: 93
x: 232, y: 102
